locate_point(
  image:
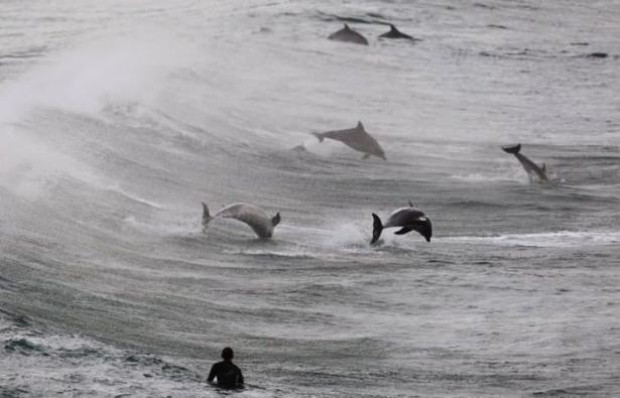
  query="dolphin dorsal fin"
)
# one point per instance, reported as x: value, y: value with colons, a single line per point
x: 346, y: 27
x: 410, y: 204
x: 393, y: 29
x: 360, y: 126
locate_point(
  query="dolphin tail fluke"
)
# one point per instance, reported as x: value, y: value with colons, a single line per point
x: 320, y: 136
x: 377, y: 228
x: 512, y: 149
x: 275, y: 220
x: 206, y: 216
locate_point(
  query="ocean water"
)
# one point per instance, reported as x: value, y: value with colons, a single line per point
x: 117, y: 119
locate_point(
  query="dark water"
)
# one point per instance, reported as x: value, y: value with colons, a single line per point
x: 118, y: 120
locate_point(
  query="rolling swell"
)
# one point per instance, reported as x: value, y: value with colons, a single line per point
x: 73, y: 364
x: 116, y: 138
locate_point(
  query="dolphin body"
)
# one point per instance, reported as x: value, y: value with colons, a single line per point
x: 356, y: 138
x: 394, y: 33
x: 348, y: 35
x: 530, y: 167
x: 408, y: 218
x: 254, y: 216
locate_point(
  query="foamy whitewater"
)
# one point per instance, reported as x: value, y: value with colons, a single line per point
x: 118, y: 118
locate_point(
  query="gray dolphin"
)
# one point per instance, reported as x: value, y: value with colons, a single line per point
x: 348, y: 35
x: 530, y: 167
x: 396, y: 34
x: 408, y: 218
x: 356, y: 138
x: 254, y: 216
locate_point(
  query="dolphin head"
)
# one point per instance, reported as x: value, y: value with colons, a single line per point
x: 378, y: 151
x: 424, y: 227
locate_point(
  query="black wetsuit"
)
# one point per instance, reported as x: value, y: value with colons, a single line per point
x: 227, y: 373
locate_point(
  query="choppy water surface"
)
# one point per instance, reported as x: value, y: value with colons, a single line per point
x: 117, y: 120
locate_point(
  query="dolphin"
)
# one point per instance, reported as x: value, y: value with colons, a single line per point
x: 299, y: 148
x: 254, y: 216
x: 348, y: 35
x: 356, y: 138
x: 408, y: 218
x: 396, y: 34
x: 530, y: 167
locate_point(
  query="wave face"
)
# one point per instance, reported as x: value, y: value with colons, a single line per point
x: 117, y: 120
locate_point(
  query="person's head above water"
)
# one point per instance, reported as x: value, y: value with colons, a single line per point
x: 228, y: 354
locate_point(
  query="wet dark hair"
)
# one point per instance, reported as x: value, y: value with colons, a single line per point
x: 227, y: 353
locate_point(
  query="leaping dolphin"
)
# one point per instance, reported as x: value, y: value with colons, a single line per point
x: 349, y: 35
x: 408, y: 218
x: 394, y: 33
x: 531, y: 168
x: 356, y: 138
x: 254, y: 216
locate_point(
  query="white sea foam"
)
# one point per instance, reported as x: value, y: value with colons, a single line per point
x: 546, y: 239
x: 29, y: 168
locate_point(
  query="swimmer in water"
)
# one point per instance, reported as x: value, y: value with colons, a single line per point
x: 228, y: 375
